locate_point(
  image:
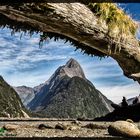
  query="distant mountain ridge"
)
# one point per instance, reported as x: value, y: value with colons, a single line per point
x: 10, y: 102
x: 68, y: 93
x: 130, y: 100
x: 26, y: 94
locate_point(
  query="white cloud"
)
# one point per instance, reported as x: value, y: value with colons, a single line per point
x: 104, y: 69
x: 115, y: 93
x: 57, y: 44
x: 30, y: 80
x: 24, y: 53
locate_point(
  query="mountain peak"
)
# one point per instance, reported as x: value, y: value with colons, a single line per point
x: 72, y: 68
x: 72, y: 63
x: 67, y: 88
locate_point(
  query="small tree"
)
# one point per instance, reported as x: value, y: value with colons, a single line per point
x: 124, y: 102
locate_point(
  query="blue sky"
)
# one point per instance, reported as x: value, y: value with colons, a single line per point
x: 22, y: 62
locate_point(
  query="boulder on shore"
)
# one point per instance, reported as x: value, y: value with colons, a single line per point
x: 124, y: 129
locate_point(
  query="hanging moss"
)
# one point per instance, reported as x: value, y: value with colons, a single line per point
x: 85, y: 49
x: 115, y: 18
x: 16, y: 26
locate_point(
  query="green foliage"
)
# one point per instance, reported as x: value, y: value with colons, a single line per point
x: 2, y: 131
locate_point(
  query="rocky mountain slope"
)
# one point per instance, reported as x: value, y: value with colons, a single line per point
x: 10, y: 102
x: 69, y: 94
x: 26, y: 94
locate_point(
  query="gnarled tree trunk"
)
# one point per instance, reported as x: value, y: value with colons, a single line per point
x: 78, y: 22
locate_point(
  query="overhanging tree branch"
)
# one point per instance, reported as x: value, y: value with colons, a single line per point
x: 77, y: 22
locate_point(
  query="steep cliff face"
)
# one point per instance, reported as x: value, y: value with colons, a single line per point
x: 10, y: 102
x: 69, y: 94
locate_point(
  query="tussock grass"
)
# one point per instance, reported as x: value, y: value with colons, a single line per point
x: 117, y: 20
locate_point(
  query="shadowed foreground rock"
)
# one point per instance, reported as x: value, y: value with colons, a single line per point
x: 124, y: 128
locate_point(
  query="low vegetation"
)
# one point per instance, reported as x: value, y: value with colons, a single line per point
x: 116, y: 19
x: 2, y: 131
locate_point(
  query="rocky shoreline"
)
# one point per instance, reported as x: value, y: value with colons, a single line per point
x: 50, y: 129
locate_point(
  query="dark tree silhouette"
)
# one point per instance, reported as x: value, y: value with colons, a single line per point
x: 124, y: 102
